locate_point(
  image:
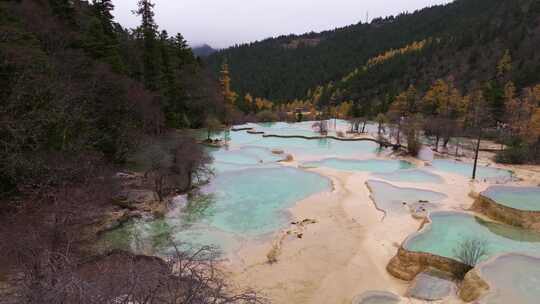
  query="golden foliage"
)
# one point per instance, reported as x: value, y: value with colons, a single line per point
x: 381, y: 58
x: 225, y: 82
x: 505, y: 64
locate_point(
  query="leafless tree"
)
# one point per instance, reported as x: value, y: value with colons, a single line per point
x: 175, y: 164
x: 321, y: 127
x: 471, y: 251
x: 190, y: 164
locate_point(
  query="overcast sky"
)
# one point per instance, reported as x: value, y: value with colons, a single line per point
x: 222, y: 23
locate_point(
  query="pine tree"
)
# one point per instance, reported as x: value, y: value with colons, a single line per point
x: 183, y: 51
x: 148, y: 30
x: 63, y: 9
x: 100, y: 40
x: 103, y: 10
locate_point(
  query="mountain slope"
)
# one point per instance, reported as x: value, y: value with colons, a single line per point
x: 203, y: 50
x: 286, y: 67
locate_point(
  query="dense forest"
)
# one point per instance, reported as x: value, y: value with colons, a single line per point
x: 74, y: 82
x: 80, y: 96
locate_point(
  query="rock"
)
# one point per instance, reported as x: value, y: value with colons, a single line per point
x: 113, y: 221
x: 432, y: 285
x: 308, y: 221
x: 520, y: 218
x: 421, y: 210
x: 130, y: 198
x: 472, y: 287
x: 289, y: 158
x: 278, y: 151
x: 406, y: 265
x: 376, y: 297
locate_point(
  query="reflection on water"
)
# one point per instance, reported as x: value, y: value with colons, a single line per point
x: 199, y: 207
x: 236, y: 205
x: 509, y: 232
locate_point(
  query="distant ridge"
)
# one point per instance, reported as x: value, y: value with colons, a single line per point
x: 203, y: 50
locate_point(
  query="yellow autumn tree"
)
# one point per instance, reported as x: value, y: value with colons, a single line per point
x: 505, y: 64
x: 248, y: 101
x: 445, y: 103
x: 344, y: 109
x: 225, y: 81
x: 533, y: 131
x: 406, y: 103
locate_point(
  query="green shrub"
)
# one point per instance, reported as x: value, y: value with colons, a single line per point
x: 517, y: 154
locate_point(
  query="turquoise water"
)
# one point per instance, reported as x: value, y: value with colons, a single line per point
x: 234, y: 206
x: 410, y: 176
x: 372, y: 165
x: 448, y: 229
x: 391, y: 199
x: 305, y: 128
x: 512, y: 279
x: 243, y: 158
x: 250, y: 193
x: 326, y: 148
x: 466, y: 169
x: 522, y: 198
x: 252, y: 201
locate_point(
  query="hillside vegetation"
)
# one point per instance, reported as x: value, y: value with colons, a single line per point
x: 470, y: 36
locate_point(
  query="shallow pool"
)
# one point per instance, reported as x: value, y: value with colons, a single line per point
x: 410, y: 176
x: 466, y: 169
x: 448, y: 229
x: 372, y: 165
x: 321, y: 148
x: 236, y: 205
x: 522, y: 198
x: 512, y: 279
x: 397, y: 200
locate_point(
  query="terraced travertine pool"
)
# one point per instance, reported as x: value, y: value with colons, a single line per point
x: 371, y: 165
x: 466, y: 169
x: 397, y: 200
x: 410, y: 176
x: 251, y: 192
x: 521, y: 198
x: 236, y: 205
x: 448, y: 229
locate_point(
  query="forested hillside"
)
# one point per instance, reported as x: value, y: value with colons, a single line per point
x: 74, y: 83
x: 79, y: 97
x: 470, y: 34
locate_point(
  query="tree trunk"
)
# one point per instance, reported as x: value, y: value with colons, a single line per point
x: 476, y: 152
x: 445, y: 143
x: 189, y: 179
